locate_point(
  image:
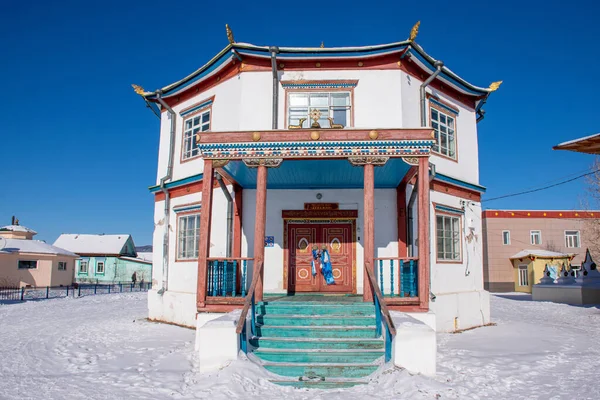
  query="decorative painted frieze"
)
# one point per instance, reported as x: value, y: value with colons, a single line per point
x: 326, y: 149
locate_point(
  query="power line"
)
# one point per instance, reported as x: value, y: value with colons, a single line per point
x: 542, y: 188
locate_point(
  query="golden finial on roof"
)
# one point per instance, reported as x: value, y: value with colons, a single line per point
x: 229, y: 34
x: 322, y: 45
x: 414, y: 31
x: 494, y: 86
x: 138, y: 89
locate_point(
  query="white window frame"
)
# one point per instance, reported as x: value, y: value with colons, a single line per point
x: 536, y: 232
x: 27, y: 261
x: 98, y: 264
x: 81, y: 264
x: 187, y: 238
x: 193, y: 125
x: 523, y: 271
x: 326, y: 111
x: 572, y: 236
x: 507, y: 241
x: 62, y: 265
x: 439, y: 126
x: 455, y: 238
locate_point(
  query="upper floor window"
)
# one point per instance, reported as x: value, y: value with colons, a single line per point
x: 572, y: 239
x: 27, y: 264
x: 448, y: 237
x: 444, y: 127
x: 536, y: 237
x: 187, y: 236
x: 192, y: 126
x: 505, y: 237
x: 334, y: 108
x: 62, y: 265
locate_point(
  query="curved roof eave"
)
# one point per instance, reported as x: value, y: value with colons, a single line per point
x: 423, y: 59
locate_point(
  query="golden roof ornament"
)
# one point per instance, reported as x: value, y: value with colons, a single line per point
x: 138, y: 89
x: 322, y: 45
x: 494, y: 86
x: 229, y: 34
x: 414, y: 31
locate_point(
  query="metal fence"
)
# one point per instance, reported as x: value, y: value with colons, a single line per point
x: 15, y: 294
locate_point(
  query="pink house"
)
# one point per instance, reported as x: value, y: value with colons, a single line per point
x: 28, y: 262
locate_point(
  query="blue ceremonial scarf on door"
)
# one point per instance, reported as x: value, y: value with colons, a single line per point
x: 326, y: 269
x: 312, y: 263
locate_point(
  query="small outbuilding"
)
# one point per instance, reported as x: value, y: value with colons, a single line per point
x: 529, y: 266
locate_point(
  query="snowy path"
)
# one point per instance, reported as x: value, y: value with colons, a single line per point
x: 100, y: 347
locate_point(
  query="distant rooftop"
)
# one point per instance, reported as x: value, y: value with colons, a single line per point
x: 588, y: 144
x: 17, y: 228
x: 10, y: 246
x: 541, y: 254
x: 92, y: 244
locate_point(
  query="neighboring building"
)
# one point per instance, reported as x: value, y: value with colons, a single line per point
x: 106, y: 258
x: 529, y: 267
x: 508, y: 232
x: 28, y: 262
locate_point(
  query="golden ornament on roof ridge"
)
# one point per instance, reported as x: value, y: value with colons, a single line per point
x: 494, y: 86
x: 229, y: 34
x: 414, y: 31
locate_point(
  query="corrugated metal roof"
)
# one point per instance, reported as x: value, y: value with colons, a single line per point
x: 17, y: 228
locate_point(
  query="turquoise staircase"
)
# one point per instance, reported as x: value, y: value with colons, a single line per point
x: 311, y: 344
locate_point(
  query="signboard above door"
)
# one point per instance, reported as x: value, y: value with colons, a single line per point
x: 321, y: 206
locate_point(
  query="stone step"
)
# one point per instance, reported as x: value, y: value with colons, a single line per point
x: 315, y: 320
x: 349, y: 331
x: 317, y: 343
x: 317, y: 356
x: 342, y: 370
x: 295, y: 308
x: 319, y: 384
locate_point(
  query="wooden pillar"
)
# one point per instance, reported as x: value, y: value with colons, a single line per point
x: 401, y: 212
x: 237, y: 221
x: 369, y: 228
x: 259, y: 225
x: 424, y: 229
x: 205, y: 225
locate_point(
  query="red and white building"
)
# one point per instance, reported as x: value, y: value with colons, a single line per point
x: 370, y: 151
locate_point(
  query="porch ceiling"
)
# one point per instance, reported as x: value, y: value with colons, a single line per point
x: 318, y: 174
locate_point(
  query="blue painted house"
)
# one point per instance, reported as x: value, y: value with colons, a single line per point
x: 106, y: 258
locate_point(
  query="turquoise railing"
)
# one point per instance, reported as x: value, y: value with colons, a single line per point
x: 249, y: 305
x: 383, y: 318
x: 226, y: 277
x: 398, y: 277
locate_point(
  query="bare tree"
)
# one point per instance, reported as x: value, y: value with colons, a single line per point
x: 591, y: 226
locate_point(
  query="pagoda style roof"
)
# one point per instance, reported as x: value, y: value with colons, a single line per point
x: 238, y: 51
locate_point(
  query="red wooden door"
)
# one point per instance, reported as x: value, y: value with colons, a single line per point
x: 338, y: 240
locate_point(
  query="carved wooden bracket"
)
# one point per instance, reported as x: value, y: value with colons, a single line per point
x: 220, y: 163
x: 267, y: 162
x: 411, y: 160
x: 363, y: 160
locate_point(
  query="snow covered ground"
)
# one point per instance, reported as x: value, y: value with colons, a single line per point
x: 101, y: 347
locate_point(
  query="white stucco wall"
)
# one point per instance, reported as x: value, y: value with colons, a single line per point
x: 178, y: 304
x: 382, y: 99
x: 386, y: 229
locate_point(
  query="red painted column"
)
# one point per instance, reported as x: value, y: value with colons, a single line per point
x: 259, y: 225
x: 237, y: 222
x: 424, y: 229
x: 369, y: 228
x: 205, y: 225
x: 401, y: 212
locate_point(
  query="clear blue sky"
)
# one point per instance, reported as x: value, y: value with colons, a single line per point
x: 79, y: 149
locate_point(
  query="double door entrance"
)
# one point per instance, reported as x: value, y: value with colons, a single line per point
x: 338, y: 237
